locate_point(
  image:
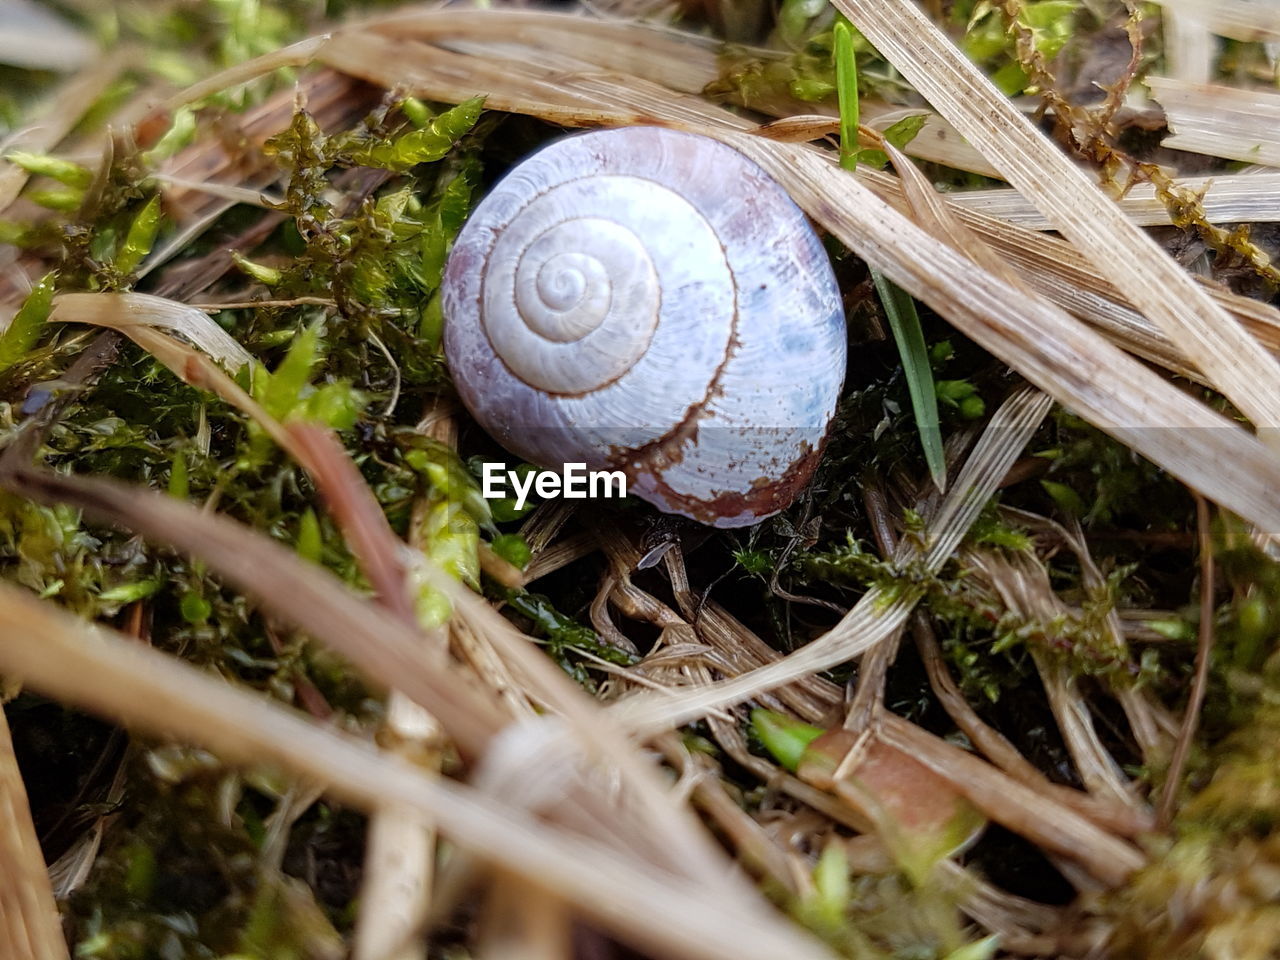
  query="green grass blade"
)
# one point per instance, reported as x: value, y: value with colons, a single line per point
x: 846, y: 93
x: 898, y: 306
x: 905, y: 323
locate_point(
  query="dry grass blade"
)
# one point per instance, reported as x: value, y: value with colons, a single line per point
x: 193, y: 367
x: 1232, y: 360
x: 522, y: 922
x: 1188, y: 45
x: 1055, y: 817
x: 1023, y: 585
x: 935, y: 216
x: 1049, y: 265
x: 1051, y: 349
x: 1046, y: 817
x: 1200, y: 679
x: 673, y: 58
x: 1117, y: 818
x: 1228, y: 198
x: 127, y: 311
x: 389, y: 652
x: 372, y: 541
x: 1017, y: 806
x: 295, y: 55
x: 395, y: 890
x: 400, y: 847
x: 1247, y: 20
x: 144, y: 689
x: 384, y: 648
x: 937, y: 141
x: 670, y: 837
x: 1152, y: 725
x: 365, y: 526
x: 681, y: 61
x: 1220, y: 121
x: 528, y: 85
x: 878, y: 615
x: 30, y: 928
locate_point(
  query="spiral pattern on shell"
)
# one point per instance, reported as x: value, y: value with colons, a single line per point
x: 649, y: 300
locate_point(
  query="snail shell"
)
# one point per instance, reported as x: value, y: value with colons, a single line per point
x: 650, y: 301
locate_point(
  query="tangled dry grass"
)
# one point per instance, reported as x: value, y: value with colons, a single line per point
x: 495, y: 778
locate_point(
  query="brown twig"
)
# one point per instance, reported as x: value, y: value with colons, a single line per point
x: 873, y: 670
x: 1200, y: 680
x: 29, y: 925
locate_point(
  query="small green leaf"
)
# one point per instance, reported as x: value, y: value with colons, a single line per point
x: 1011, y: 79
x: 310, y: 542
x: 904, y: 131
x: 140, y: 870
x: 512, y: 548
x: 182, y: 130
x: 336, y: 405
x: 179, y: 482
x: 1067, y: 500
x: 953, y: 391
x: 1253, y: 616
x: 13, y: 233
x: 831, y: 887
x: 784, y: 737
x: 450, y: 479
x: 24, y: 329
x: 754, y: 561
x: 268, y: 276
x: 794, y: 17
x: 847, y: 93
x: 811, y: 89
x: 283, y: 388
x: 424, y: 145
x: 415, y: 111
x: 1172, y: 629
x: 129, y: 592
x: 905, y: 323
x: 194, y: 608
x: 63, y: 200
x: 452, y: 540
x: 142, y: 234
x: 43, y: 165
x: 504, y: 509
x: 972, y: 408
x: 431, y: 323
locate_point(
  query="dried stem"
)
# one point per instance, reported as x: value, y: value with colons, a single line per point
x: 1200, y: 679
x: 30, y: 928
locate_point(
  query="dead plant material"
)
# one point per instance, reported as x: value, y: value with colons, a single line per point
x: 29, y: 922
x: 1233, y: 361
x: 1144, y: 413
x: 67, y: 659
x: 1200, y: 678
x: 1220, y: 121
x: 878, y: 614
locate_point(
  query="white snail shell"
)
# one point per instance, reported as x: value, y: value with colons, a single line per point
x: 649, y: 301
